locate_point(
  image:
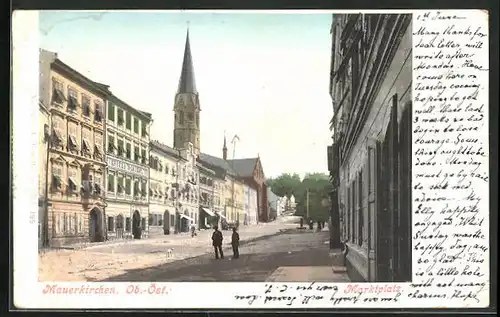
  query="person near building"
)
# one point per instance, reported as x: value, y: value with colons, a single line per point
x: 217, y: 243
x: 235, y: 242
x: 193, y: 230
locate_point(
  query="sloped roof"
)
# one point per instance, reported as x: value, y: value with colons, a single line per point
x: 164, y: 148
x: 218, y: 162
x: 244, y: 167
x: 187, y: 82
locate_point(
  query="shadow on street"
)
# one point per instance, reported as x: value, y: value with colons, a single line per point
x: 259, y: 259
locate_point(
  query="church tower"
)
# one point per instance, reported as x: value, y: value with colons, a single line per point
x: 187, y: 105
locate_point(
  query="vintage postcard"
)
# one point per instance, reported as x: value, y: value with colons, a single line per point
x: 320, y: 159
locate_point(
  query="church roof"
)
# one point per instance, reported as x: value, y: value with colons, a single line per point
x: 218, y: 162
x: 187, y: 82
x: 244, y: 167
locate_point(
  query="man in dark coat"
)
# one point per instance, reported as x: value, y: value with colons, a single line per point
x: 217, y: 243
x: 235, y: 242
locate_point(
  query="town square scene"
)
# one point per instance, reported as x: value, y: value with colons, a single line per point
x: 180, y: 146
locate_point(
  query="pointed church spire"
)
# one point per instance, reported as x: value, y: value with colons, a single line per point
x: 187, y: 83
x: 224, y: 148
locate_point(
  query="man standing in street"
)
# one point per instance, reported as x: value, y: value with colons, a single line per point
x: 217, y: 243
x: 235, y: 242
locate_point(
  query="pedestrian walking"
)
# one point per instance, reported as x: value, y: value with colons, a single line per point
x: 193, y: 230
x: 301, y: 222
x: 217, y: 243
x: 235, y: 242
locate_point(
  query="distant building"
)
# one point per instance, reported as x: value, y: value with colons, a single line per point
x: 251, y: 211
x: 274, y: 204
x: 370, y: 158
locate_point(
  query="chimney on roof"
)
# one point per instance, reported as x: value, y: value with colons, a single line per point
x: 224, y: 149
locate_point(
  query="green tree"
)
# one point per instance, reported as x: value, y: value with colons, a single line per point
x: 285, y: 185
x: 318, y: 186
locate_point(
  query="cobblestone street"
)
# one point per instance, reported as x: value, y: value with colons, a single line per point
x: 306, y: 251
x: 101, y: 261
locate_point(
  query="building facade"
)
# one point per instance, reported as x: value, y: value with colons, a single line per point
x: 370, y: 158
x: 127, y: 174
x: 250, y: 172
x: 43, y: 135
x: 164, y: 164
x: 187, y: 204
x: 251, y: 212
x: 75, y: 206
x: 208, y: 217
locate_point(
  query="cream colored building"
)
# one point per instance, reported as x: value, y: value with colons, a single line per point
x: 164, y: 165
x: 127, y: 176
x: 76, y: 162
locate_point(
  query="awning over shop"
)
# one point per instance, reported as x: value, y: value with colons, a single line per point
x: 186, y: 217
x: 221, y: 215
x: 208, y: 211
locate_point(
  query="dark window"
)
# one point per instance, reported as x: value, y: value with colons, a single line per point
x: 111, y: 112
x: 137, y: 156
x: 98, y: 111
x: 128, y: 124
x: 127, y: 186
x: 120, y: 117
x: 190, y: 116
x: 73, y: 99
x: 111, y: 183
x: 111, y: 225
x: 143, y: 224
x: 120, y: 147
x: 127, y: 224
x: 111, y: 144
x: 57, y: 92
x: 150, y: 219
x: 120, y: 184
x: 136, y: 125
x: 144, y: 129
x: 119, y: 222
x: 197, y: 120
x: 128, y: 150
x: 86, y: 105
x: 143, y: 156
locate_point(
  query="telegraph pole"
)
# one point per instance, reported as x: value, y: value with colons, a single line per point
x: 307, y: 203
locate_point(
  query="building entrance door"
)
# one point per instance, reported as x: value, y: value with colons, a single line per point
x: 136, y: 225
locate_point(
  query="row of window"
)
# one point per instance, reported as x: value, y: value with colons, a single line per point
x: 72, y: 145
x: 74, y: 101
x: 124, y: 149
x: 90, y: 184
x: 123, y: 185
x: 119, y: 223
x: 67, y: 223
x: 125, y: 119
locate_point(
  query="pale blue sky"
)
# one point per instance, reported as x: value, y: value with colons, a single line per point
x: 261, y: 76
